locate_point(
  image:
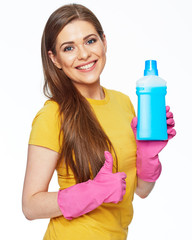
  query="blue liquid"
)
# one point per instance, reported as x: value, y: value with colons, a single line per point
x: 151, y: 114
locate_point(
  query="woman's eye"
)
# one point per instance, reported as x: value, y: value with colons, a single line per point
x: 91, y: 41
x: 67, y: 49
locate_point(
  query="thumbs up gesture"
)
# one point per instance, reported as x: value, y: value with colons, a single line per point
x: 113, y: 184
x: 82, y: 198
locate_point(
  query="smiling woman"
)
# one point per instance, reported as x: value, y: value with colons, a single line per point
x: 81, y: 54
x: 72, y: 27
x: 78, y: 132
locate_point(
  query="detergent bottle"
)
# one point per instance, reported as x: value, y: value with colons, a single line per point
x: 151, y: 111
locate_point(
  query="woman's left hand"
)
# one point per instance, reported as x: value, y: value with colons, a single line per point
x: 148, y: 164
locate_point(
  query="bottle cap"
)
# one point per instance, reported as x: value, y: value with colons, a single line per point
x: 150, y: 68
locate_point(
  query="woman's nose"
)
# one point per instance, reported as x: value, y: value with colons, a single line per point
x: 83, y: 53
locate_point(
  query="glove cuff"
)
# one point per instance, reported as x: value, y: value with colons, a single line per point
x: 149, y: 169
x: 78, y: 200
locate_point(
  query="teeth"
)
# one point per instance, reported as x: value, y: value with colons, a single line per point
x: 87, y: 66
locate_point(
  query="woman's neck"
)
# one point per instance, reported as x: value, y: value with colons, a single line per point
x: 93, y: 92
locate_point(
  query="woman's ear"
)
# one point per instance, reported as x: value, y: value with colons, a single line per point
x: 105, y: 42
x: 54, y: 59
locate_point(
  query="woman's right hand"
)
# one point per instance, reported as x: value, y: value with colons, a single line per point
x: 106, y: 187
x: 113, y: 184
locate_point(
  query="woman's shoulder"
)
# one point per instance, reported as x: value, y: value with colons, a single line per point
x: 121, y: 99
x: 49, y: 112
x: 50, y: 107
x: 117, y: 94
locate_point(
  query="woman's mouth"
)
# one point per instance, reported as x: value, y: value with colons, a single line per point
x: 88, y: 67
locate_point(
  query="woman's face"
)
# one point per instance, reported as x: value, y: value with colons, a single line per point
x: 80, y: 53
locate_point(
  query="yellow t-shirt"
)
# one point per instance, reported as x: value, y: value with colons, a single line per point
x: 109, y: 221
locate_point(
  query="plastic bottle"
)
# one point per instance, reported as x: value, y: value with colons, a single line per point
x: 151, y: 91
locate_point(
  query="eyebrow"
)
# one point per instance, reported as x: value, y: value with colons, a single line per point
x: 71, y: 42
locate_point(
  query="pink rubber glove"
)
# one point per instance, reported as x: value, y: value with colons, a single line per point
x: 84, y: 197
x: 148, y: 164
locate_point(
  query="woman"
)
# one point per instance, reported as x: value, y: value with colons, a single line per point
x: 76, y: 132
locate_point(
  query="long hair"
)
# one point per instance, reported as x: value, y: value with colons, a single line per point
x: 83, y: 141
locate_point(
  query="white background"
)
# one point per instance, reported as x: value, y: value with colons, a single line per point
x: 136, y: 30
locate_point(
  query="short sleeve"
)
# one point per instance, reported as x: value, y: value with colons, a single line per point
x: 46, y: 127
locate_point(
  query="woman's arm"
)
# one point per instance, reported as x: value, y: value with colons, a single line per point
x: 37, y: 202
x: 147, y: 163
x: 143, y: 188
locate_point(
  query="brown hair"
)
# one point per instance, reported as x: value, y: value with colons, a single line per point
x: 83, y: 139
